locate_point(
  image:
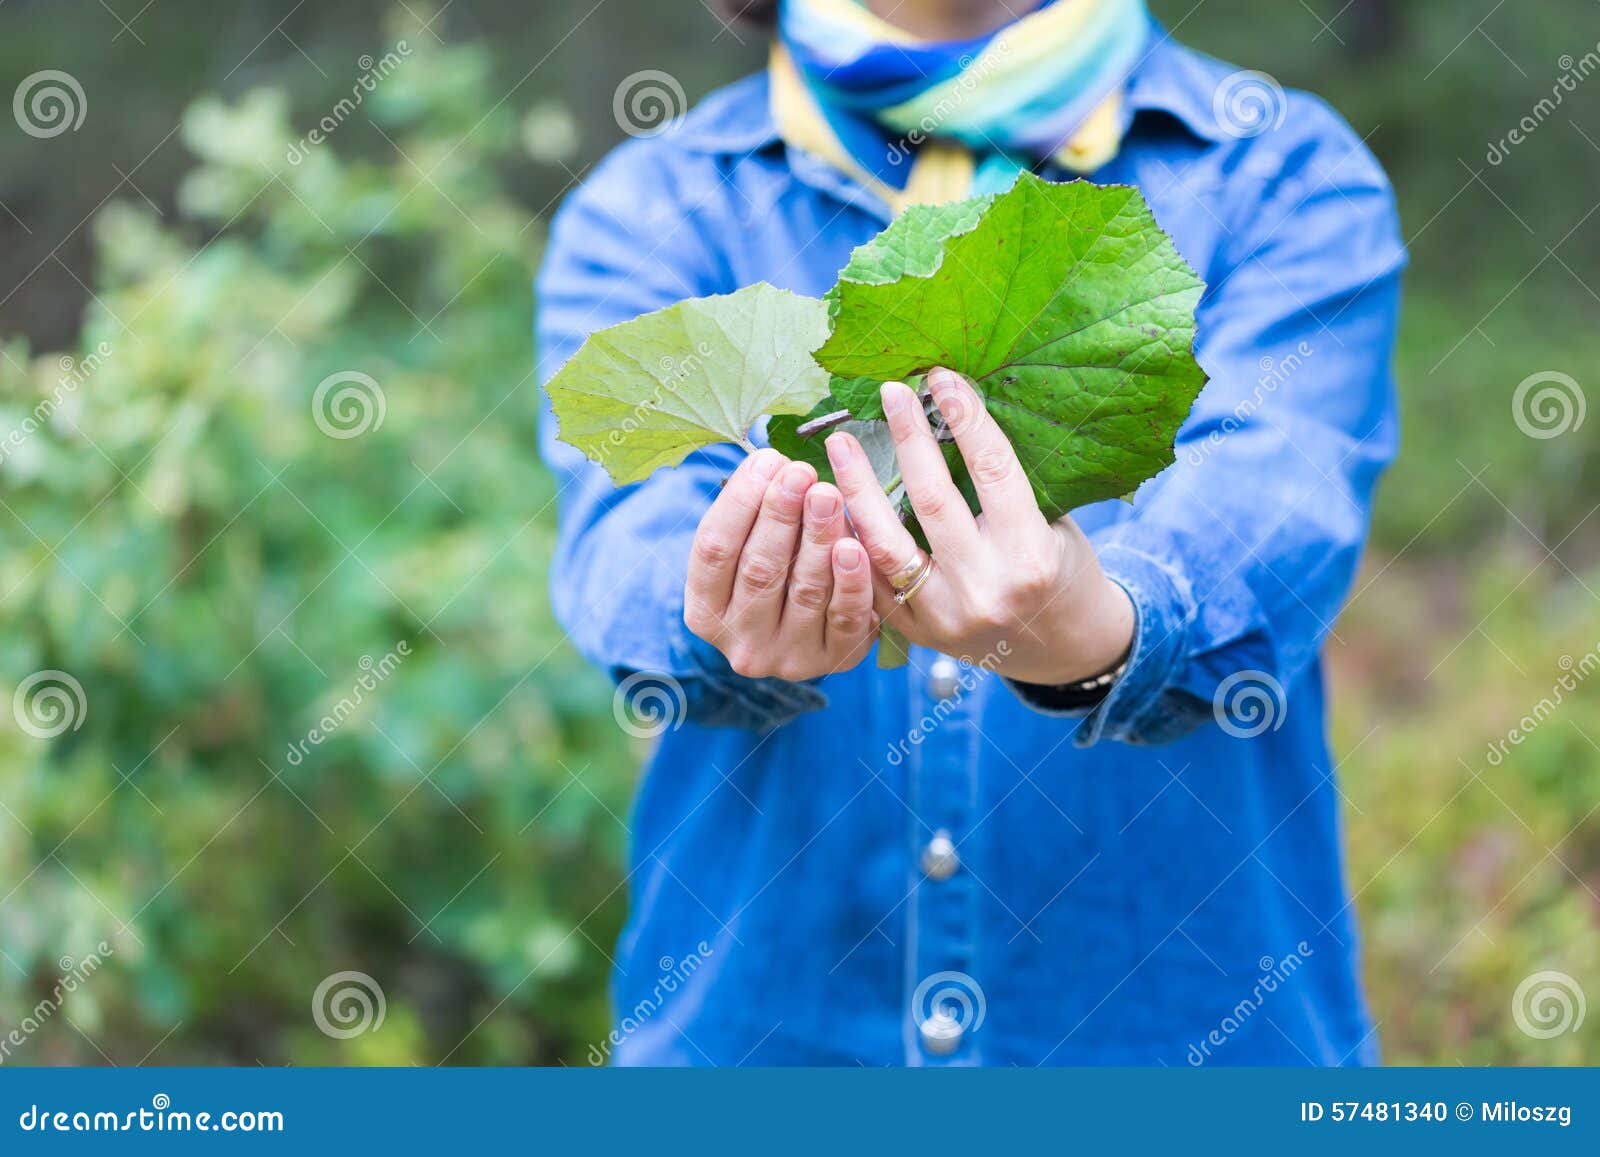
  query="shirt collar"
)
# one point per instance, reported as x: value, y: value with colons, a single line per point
x: 1180, y: 82
x: 1171, y: 80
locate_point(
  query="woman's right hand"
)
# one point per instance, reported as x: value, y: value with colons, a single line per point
x: 777, y: 582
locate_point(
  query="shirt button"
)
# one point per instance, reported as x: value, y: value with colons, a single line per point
x: 941, y: 1034
x: 943, y: 678
x: 939, y: 858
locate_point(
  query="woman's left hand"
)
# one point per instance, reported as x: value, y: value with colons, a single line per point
x: 1008, y: 588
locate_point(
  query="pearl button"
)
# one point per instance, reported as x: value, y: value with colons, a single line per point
x: 941, y: 1034
x: 939, y: 858
x: 943, y: 678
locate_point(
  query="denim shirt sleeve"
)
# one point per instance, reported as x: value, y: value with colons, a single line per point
x: 1238, y: 557
x: 622, y: 246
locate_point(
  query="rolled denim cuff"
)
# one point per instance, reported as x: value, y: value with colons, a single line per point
x: 1142, y: 706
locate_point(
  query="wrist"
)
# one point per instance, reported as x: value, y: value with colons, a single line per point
x: 1092, y: 636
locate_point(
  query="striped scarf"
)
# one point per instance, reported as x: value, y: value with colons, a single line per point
x: 919, y: 121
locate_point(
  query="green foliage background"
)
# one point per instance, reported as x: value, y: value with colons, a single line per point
x: 459, y: 837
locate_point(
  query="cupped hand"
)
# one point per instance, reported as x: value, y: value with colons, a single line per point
x: 1008, y: 588
x: 777, y: 583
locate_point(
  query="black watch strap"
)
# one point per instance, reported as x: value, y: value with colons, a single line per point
x: 1077, y: 696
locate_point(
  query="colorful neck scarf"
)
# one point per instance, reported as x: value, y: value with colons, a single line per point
x: 919, y: 121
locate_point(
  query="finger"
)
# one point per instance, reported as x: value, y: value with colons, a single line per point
x: 720, y: 540
x: 926, y: 616
x: 811, y: 580
x: 758, y: 588
x: 949, y: 525
x: 850, y: 618
x: 883, y: 604
x: 888, y: 543
x: 1010, y: 509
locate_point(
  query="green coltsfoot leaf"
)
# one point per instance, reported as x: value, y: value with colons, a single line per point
x: 645, y: 393
x: 1065, y: 304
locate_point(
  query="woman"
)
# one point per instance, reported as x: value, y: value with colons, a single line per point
x: 1094, y: 821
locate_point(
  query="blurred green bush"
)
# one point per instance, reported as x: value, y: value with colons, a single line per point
x: 182, y: 533
x: 1474, y: 858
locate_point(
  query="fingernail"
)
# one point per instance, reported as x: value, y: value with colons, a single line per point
x: 822, y: 504
x: 838, y: 450
x: 893, y: 396
x: 796, y: 481
x: 942, y: 382
x: 764, y: 464
x: 950, y: 406
x: 851, y: 556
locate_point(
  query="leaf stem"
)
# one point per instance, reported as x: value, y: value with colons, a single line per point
x: 823, y: 422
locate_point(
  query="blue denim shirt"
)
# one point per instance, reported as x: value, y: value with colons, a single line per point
x: 929, y: 866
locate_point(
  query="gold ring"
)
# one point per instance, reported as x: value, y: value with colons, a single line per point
x: 905, y: 594
x: 906, y: 575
